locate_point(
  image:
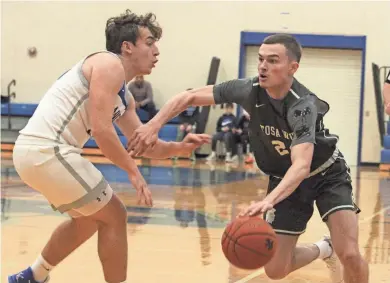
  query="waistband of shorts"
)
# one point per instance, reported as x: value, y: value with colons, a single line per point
x: 322, y: 167
x: 31, y: 140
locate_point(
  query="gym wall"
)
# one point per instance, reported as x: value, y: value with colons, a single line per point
x: 64, y: 32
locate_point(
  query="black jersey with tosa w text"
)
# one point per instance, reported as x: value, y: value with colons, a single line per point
x: 277, y: 125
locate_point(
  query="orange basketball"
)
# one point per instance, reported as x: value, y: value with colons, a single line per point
x: 249, y: 242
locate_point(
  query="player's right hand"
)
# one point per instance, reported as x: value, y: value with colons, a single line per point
x: 144, y: 196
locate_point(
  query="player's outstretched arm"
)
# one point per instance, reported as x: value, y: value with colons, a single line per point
x: 145, y: 136
x: 233, y: 91
x: 130, y: 121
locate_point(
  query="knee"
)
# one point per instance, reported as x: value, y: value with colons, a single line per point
x: 350, y: 257
x: 113, y: 214
x: 276, y: 272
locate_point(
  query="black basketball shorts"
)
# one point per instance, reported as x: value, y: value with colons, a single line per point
x: 330, y: 189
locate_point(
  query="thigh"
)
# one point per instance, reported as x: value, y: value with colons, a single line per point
x: 244, y: 138
x: 67, y: 180
x: 219, y: 136
x: 228, y: 136
x: 335, y: 192
x: 290, y: 216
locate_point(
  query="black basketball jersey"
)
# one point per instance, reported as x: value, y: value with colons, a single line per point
x: 277, y: 125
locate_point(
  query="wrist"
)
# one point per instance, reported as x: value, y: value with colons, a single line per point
x: 183, y: 149
x: 270, y: 199
x: 155, y: 124
x: 132, y: 168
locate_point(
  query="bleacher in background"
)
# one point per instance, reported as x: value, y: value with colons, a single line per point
x: 14, y: 116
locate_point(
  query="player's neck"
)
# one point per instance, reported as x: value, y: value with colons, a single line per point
x: 130, y: 72
x: 281, y: 91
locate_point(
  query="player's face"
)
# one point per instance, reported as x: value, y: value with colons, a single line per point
x: 144, y: 53
x: 275, y: 67
x: 228, y: 110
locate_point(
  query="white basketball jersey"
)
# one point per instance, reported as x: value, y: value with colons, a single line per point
x: 62, y: 115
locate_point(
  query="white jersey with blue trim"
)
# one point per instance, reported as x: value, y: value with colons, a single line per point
x: 62, y: 115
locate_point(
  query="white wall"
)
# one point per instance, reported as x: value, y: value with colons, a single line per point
x: 64, y: 32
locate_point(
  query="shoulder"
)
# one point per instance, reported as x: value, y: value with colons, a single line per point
x: 306, y: 97
x: 234, y: 87
x: 106, y: 59
x: 104, y: 64
x: 247, y: 82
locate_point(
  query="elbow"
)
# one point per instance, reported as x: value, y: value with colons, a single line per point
x: 98, y: 132
x: 304, y: 167
x: 305, y: 171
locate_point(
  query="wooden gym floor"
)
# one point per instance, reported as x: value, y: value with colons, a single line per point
x: 178, y: 240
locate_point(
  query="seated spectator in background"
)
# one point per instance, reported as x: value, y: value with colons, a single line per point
x: 386, y: 94
x: 225, y: 126
x: 143, y: 95
x: 188, y: 120
x: 241, y: 134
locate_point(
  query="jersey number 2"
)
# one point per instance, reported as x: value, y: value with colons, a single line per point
x: 280, y: 147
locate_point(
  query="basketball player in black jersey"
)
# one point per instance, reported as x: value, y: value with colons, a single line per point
x: 292, y: 146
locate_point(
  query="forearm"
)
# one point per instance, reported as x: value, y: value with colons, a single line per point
x: 111, y: 147
x: 196, y: 97
x: 171, y: 109
x: 164, y: 150
x: 294, y: 176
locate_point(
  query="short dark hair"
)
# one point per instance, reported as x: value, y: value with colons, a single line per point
x: 229, y: 105
x: 126, y: 28
x: 293, y: 47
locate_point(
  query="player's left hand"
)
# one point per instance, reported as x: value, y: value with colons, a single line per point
x: 256, y: 208
x: 192, y: 142
x: 144, y: 137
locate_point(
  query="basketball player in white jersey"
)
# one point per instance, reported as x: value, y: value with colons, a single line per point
x: 82, y: 103
x: 386, y: 94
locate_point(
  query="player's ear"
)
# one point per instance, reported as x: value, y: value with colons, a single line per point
x: 294, y: 65
x: 127, y: 47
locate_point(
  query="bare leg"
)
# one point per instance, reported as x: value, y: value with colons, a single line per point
x: 68, y: 237
x: 343, y: 226
x: 110, y: 222
x: 112, y: 241
x: 289, y: 257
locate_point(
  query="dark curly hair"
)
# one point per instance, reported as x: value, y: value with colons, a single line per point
x: 126, y: 28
